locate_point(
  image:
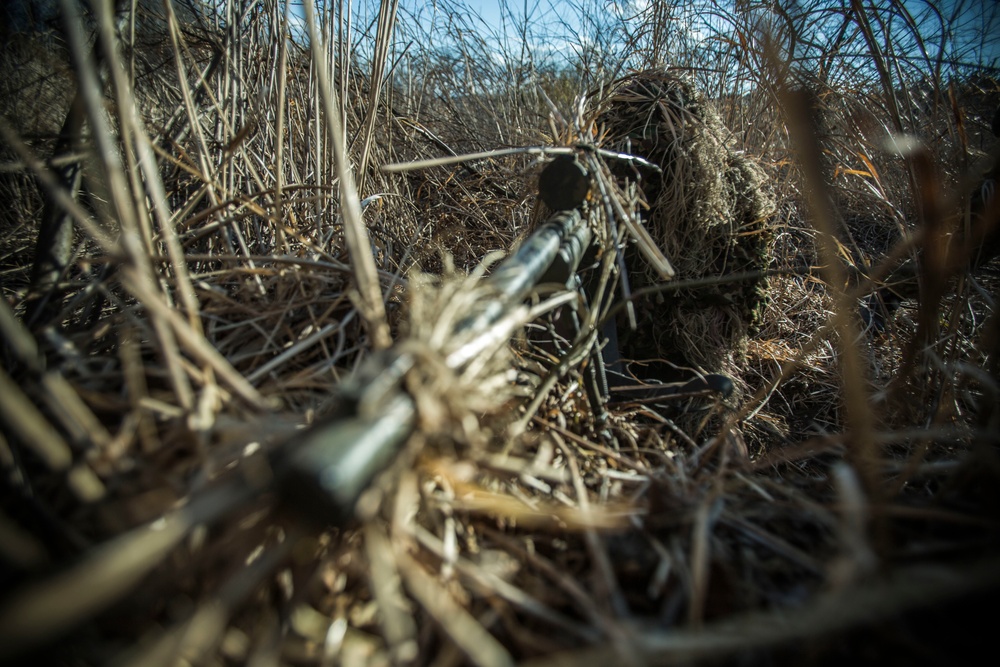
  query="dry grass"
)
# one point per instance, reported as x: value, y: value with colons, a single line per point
x: 239, y: 259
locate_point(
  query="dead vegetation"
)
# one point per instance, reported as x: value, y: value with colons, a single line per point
x: 240, y: 258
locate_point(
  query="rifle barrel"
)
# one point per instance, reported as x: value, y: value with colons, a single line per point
x: 326, y: 469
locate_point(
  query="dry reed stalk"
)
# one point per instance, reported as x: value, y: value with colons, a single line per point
x: 383, y: 39
x: 517, y: 527
x: 859, y: 418
x: 355, y: 234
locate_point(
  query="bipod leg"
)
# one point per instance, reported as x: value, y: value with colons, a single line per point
x: 595, y: 380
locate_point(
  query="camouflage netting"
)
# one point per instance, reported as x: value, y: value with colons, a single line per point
x: 708, y: 212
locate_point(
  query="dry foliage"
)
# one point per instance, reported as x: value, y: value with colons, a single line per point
x: 238, y: 256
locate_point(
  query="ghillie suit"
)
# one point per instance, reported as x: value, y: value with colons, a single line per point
x: 708, y: 211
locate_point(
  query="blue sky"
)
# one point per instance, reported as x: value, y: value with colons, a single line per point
x: 553, y: 21
x: 967, y: 21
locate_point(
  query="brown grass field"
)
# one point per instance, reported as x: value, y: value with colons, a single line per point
x: 232, y: 230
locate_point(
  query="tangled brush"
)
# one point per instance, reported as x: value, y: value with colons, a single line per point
x: 447, y: 389
x: 708, y: 212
